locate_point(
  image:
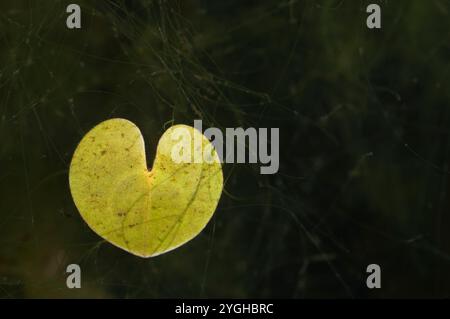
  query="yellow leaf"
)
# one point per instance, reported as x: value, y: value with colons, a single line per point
x: 146, y: 212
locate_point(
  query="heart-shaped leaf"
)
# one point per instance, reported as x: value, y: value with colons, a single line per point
x: 146, y: 212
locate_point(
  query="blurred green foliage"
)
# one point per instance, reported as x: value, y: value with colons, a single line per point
x: 364, y: 121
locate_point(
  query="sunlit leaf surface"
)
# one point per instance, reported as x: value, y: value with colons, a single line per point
x: 145, y: 211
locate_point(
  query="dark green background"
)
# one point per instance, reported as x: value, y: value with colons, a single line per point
x: 364, y: 120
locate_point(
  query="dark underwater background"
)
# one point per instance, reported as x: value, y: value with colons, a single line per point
x: 364, y: 120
